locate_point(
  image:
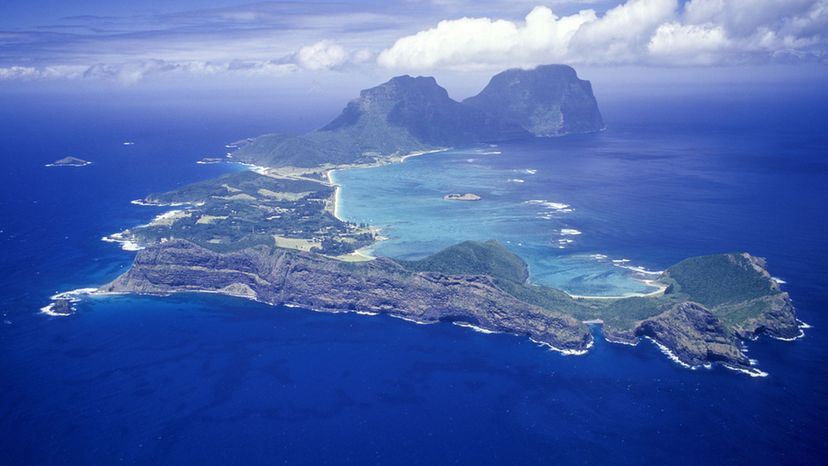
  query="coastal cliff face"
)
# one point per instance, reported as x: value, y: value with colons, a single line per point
x: 484, y: 284
x: 694, y: 335
x: 548, y: 100
x: 278, y: 276
x: 711, y: 305
x: 778, y: 320
x: 738, y: 289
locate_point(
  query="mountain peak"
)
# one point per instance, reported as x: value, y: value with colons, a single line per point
x: 407, y: 79
x: 423, y: 110
x: 549, y: 100
x: 408, y: 113
x: 407, y: 87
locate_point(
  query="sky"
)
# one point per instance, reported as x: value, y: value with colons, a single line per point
x: 310, y: 47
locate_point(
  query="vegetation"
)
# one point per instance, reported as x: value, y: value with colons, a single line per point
x: 247, y: 209
x: 551, y: 299
x: 732, y: 286
x: 626, y: 313
x: 720, y: 279
x: 243, y: 182
x: 474, y: 258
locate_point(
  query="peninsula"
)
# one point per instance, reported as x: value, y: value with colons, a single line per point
x: 271, y: 234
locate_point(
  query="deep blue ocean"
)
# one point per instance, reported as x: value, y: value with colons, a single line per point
x: 210, y: 380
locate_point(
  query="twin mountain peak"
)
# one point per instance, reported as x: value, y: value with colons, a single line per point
x: 408, y: 114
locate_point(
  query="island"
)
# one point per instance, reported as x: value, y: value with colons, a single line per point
x: 69, y: 162
x: 461, y: 197
x: 272, y: 234
x: 59, y: 307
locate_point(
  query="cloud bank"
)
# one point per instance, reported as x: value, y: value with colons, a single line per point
x: 321, y: 56
x: 274, y: 39
x: 651, y: 32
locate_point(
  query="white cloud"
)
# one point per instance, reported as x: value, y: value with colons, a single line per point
x: 743, y: 17
x: 478, y: 42
x: 323, y: 55
x: 362, y: 56
x: 688, y: 44
x: 48, y: 72
x: 620, y: 34
x: 660, y: 32
x: 18, y: 72
x: 271, y: 39
x: 134, y: 71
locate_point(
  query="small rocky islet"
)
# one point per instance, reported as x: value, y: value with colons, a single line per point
x: 69, y: 162
x: 462, y: 197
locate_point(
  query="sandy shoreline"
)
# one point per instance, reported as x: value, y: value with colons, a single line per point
x: 363, y: 254
x: 337, y: 188
x: 329, y: 173
x: 661, y: 288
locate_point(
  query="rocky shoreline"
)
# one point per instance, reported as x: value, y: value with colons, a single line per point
x: 277, y: 276
x: 464, y: 284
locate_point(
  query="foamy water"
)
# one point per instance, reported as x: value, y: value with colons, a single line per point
x: 474, y: 327
x: 570, y: 232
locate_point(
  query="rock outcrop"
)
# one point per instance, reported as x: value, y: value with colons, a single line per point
x: 694, y: 335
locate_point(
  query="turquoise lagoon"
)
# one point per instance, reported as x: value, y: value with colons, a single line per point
x: 521, y: 205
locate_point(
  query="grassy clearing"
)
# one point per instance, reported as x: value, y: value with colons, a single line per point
x: 299, y: 244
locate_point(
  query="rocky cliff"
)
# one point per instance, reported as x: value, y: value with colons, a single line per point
x: 278, y: 276
x: 712, y: 304
x: 738, y: 289
x: 694, y: 335
x: 548, y: 100
x: 484, y: 284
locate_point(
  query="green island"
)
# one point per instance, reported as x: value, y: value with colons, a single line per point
x: 272, y: 234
